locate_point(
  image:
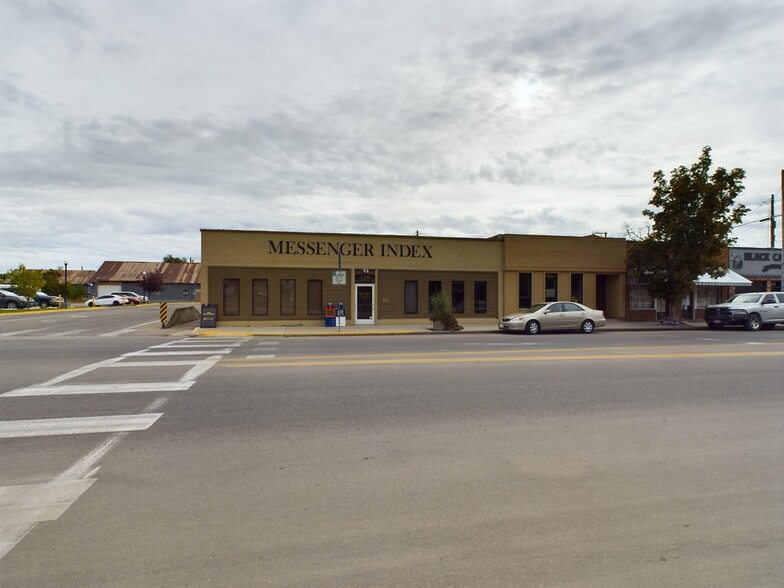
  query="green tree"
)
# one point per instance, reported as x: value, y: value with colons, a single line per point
x: 171, y: 259
x: 692, y: 216
x: 27, y: 282
x: 52, y: 285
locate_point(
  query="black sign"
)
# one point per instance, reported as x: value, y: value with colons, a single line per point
x: 209, y: 316
x: 365, y: 276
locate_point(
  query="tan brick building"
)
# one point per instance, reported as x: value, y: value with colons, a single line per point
x: 289, y: 277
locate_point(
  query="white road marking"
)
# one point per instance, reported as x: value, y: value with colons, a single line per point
x: 200, y: 368
x: 127, y: 330
x: 77, y: 425
x: 12, y: 333
x: 170, y: 363
x: 81, y: 371
x: 62, y: 490
x: 23, y: 506
x: 87, y: 463
x: 145, y: 353
x: 118, y: 388
x: 265, y: 346
x: 156, y: 404
x: 38, y: 502
x: 188, y: 343
x: 67, y: 333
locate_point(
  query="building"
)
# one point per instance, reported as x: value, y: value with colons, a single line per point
x: 181, y: 281
x: 290, y: 277
x: 760, y: 265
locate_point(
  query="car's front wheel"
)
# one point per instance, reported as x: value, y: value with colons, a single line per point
x: 43, y: 304
x: 532, y: 327
x: 587, y: 327
x: 753, y: 323
x: 116, y: 303
x: 12, y: 304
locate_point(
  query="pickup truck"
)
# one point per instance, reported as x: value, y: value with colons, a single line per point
x: 754, y: 311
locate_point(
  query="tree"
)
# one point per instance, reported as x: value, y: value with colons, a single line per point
x: 27, y: 282
x: 171, y: 259
x: 52, y: 283
x: 692, y: 216
x: 151, y: 282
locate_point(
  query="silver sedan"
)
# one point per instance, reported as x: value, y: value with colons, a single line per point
x: 554, y: 316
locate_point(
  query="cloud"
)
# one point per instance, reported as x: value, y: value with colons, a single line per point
x: 134, y: 118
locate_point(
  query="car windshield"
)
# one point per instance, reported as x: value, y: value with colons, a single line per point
x: 745, y: 298
x: 534, y: 308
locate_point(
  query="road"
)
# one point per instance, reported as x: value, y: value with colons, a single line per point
x: 133, y: 456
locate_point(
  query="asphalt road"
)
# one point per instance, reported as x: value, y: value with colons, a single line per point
x: 616, y: 459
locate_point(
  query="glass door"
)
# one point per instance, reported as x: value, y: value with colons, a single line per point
x: 364, y: 302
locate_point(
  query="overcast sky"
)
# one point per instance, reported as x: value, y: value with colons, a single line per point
x: 128, y: 125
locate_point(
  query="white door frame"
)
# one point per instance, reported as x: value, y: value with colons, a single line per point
x: 372, y: 319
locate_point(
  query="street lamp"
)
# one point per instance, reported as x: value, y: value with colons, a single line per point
x: 65, y: 291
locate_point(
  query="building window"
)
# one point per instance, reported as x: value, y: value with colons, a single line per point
x: 231, y: 297
x: 433, y: 286
x: 458, y: 297
x: 577, y: 288
x: 706, y: 295
x: 411, y: 297
x: 640, y: 298
x: 524, y: 291
x: 260, y: 297
x: 480, y: 297
x: 288, y: 297
x: 315, y: 297
x: 550, y: 287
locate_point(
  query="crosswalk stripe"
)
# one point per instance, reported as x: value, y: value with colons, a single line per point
x: 77, y: 425
x: 145, y: 353
x: 186, y: 344
x: 28, y: 503
x: 118, y: 388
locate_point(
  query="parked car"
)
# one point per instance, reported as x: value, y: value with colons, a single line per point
x: 133, y: 297
x: 107, y: 300
x: 41, y: 299
x: 9, y: 299
x: 554, y: 316
x: 752, y: 310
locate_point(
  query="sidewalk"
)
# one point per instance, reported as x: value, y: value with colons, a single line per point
x: 425, y: 329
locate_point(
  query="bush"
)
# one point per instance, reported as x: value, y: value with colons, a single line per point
x: 441, y: 311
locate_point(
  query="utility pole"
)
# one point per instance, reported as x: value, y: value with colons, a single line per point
x: 772, y: 221
x: 781, y: 285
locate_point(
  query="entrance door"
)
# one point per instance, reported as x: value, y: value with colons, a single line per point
x: 364, y: 302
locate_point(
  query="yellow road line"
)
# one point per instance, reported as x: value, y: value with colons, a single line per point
x: 304, y: 362
x: 516, y: 352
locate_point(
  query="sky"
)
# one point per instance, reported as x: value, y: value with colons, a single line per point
x: 126, y: 126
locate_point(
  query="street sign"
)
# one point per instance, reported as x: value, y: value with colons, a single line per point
x: 338, y: 277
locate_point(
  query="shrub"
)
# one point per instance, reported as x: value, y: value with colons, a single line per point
x: 441, y: 311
